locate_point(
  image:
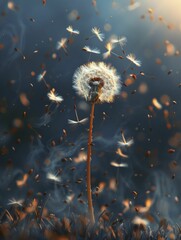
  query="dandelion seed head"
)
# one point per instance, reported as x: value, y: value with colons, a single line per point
x: 96, y: 73
x: 133, y: 59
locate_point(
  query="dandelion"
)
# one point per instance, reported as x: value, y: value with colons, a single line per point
x: 125, y: 143
x: 121, y: 41
x: 121, y: 154
x: 133, y: 59
x: 109, y: 46
x: 115, y: 164
x: 41, y: 76
x: 62, y: 44
x: 13, y: 201
x: 53, y: 177
x: 97, y: 79
x: 93, y: 50
x: 72, y: 122
x: 96, y: 82
x: 82, y: 121
x: 54, y: 97
x: 72, y: 31
x: 98, y: 33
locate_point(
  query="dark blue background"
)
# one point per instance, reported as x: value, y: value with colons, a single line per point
x: 146, y: 39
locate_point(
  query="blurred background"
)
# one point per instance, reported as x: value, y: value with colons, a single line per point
x: 43, y: 156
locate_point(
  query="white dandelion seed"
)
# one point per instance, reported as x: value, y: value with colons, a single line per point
x: 41, y: 76
x: 13, y: 201
x: 93, y: 50
x: 54, y: 97
x: 133, y: 59
x: 72, y: 122
x: 121, y: 154
x: 120, y: 40
x: 97, y: 72
x: 98, y: 33
x: 109, y: 46
x: 53, y: 177
x: 72, y: 31
x: 62, y: 44
x: 115, y: 164
x: 70, y: 198
x: 126, y: 144
x: 82, y: 121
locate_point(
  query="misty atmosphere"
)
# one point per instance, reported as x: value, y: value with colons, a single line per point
x: 44, y: 122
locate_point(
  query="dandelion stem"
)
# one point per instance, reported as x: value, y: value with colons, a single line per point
x: 89, y: 151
